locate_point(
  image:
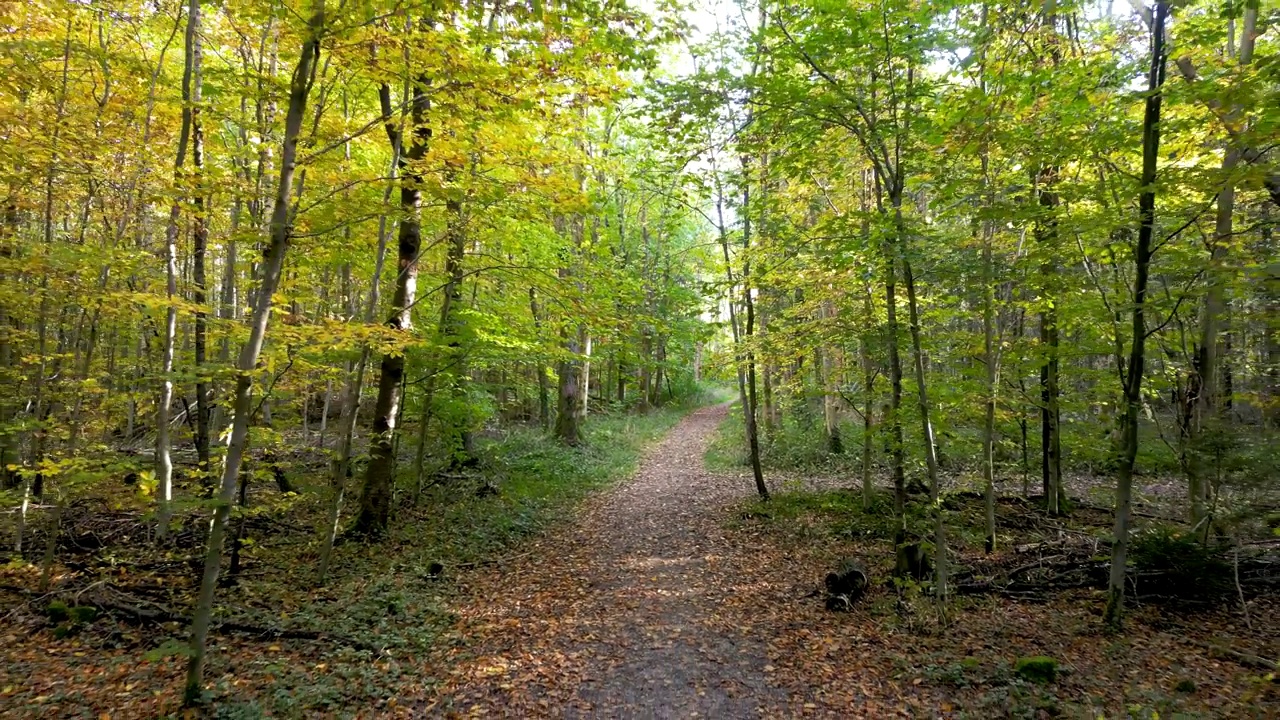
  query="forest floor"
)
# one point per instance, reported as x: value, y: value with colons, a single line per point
x: 672, y: 593
x: 631, y: 612
x: 678, y: 595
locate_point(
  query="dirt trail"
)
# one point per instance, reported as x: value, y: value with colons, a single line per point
x: 624, y: 614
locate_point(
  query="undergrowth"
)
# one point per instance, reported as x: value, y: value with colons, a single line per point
x: 823, y: 514
x: 800, y: 443
x: 394, y: 595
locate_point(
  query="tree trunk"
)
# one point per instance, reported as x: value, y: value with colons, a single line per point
x: 830, y: 392
x: 272, y: 261
x: 199, y: 248
x: 340, y: 468
x: 991, y: 357
x: 1137, y: 355
x: 1050, y: 416
x: 748, y: 411
x: 868, y: 390
x: 584, y: 408
x: 922, y: 393
x: 163, y: 461
x: 379, y: 477
x: 567, y: 429
x: 1208, y: 406
x: 753, y: 436
x: 544, y: 392
x: 895, y: 440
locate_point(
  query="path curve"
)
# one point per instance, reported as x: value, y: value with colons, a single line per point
x: 624, y: 614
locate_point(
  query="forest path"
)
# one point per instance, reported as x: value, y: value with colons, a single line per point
x: 627, y: 613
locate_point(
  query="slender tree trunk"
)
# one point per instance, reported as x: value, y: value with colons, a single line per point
x: 830, y: 392
x: 622, y: 379
x: 340, y: 468
x: 895, y: 440
x: 229, y: 309
x: 753, y: 436
x: 567, y: 428
x: 748, y: 409
x: 769, y: 414
x: 991, y: 357
x: 8, y: 326
x: 544, y: 392
x: 1208, y: 405
x: 926, y: 429
x: 1024, y: 445
x: 50, y: 546
x: 199, y: 245
x: 1050, y: 435
x: 163, y: 461
x: 868, y: 390
x: 1137, y: 355
x: 272, y: 262
x: 587, y: 344
x: 379, y: 478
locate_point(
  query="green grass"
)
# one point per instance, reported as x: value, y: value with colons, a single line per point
x: 824, y: 514
x: 539, y: 483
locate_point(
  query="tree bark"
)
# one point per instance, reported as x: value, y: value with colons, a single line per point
x: 567, y: 428
x: 163, y: 461
x: 1050, y: 415
x: 379, y: 478
x: 272, y: 262
x: 926, y: 429
x: 869, y: 397
x: 1114, y: 614
x: 544, y: 392
x: 1208, y: 403
x: 199, y: 248
x: 748, y: 414
x: 895, y: 439
x: 991, y: 357
x: 830, y: 392
x: 753, y: 436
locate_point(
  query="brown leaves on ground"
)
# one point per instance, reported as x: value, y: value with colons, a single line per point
x: 660, y: 601
x: 654, y: 605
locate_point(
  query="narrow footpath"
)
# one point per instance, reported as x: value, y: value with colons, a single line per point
x: 627, y: 613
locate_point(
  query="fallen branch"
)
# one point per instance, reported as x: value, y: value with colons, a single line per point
x: 1244, y: 658
x: 140, y: 611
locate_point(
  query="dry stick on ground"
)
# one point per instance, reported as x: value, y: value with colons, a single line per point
x: 1243, y: 658
x: 1235, y: 567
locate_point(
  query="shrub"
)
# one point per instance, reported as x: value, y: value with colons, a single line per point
x: 1173, y: 565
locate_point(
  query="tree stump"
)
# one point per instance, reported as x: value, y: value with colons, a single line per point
x: 846, y: 587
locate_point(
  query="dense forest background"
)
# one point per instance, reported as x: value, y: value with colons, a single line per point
x: 293, y: 292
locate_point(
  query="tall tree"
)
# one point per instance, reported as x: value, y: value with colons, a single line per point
x: 164, y: 460
x: 1133, y: 372
x: 272, y: 263
x: 379, y: 477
